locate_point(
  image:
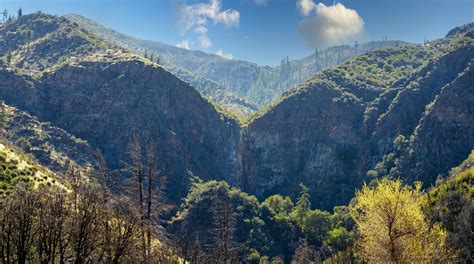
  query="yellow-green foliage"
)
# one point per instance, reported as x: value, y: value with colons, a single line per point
x: 279, y: 205
x: 460, y: 182
x: 450, y: 203
x: 469, y: 162
x: 392, y: 226
x: 16, y: 167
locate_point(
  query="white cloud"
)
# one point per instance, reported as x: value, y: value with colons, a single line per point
x: 202, y: 13
x: 224, y: 55
x: 198, y: 16
x: 183, y: 44
x: 205, y: 41
x: 331, y: 25
x: 306, y: 6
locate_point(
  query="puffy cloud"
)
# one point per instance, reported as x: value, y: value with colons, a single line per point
x: 202, y: 13
x: 331, y: 24
x: 183, y: 44
x: 224, y: 55
x: 306, y: 6
x: 205, y: 41
x: 196, y: 17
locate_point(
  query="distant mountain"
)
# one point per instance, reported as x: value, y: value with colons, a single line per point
x: 181, y: 62
x: 405, y: 112
x: 224, y: 80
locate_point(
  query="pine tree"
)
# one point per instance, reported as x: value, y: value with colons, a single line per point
x: 303, y: 205
x: 20, y: 13
x: 5, y: 15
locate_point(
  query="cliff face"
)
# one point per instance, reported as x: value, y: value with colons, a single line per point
x: 326, y: 133
x: 329, y: 132
x: 315, y: 136
x: 445, y: 134
x: 107, y: 97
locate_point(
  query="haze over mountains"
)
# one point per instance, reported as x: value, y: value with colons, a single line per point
x: 333, y: 120
x: 327, y: 132
x: 241, y: 87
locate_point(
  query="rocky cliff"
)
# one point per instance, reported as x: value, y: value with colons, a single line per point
x: 107, y: 97
x: 328, y: 132
x: 240, y: 86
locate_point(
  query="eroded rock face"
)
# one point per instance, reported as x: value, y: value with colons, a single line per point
x: 445, y: 134
x: 110, y: 101
x: 107, y: 99
x: 326, y: 134
x: 315, y: 137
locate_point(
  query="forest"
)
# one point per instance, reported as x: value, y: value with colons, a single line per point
x: 119, y: 149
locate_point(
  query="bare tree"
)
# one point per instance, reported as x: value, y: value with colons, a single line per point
x: 18, y: 225
x: 305, y: 254
x: 52, y: 214
x: 222, y: 249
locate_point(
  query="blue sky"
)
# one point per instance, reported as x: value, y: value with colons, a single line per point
x: 264, y: 31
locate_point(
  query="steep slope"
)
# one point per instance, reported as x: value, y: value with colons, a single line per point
x: 17, y: 167
x: 181, y: 62
x: 107, y: 97
x: 327, y: 133
x: 330, y: 131
x: 255, y: 84
x: 450, y: 203
x: 37, y: 42
x: 51, y: 146
x: 446, y: 132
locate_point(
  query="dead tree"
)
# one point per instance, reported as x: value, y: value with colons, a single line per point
x: 222, y: 248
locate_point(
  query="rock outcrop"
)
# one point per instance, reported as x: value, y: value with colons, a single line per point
x: 326, y: 133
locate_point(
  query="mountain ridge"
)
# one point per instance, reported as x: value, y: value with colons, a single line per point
x: 321, y: 132
x: 255, y: 84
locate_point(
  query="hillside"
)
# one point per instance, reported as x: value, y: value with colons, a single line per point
x: 17, y: 167
x: 107, y: 156
x: 108, y: 97
x: 224, y: 80
x: 35, y: 43
x: 376, y: 114
x: 333, y: 129
x: 51, y: 146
